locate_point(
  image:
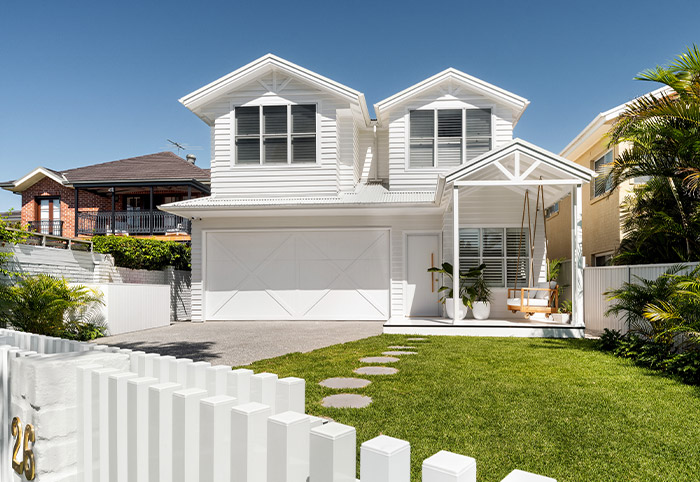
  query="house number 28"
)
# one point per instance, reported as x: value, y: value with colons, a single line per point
x: 26, y: 466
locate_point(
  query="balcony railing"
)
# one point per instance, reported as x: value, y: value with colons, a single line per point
x: 54, y: 228
x: 131, y: 222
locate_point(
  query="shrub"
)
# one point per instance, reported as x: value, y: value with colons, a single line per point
x: 609, y: 340
x: 9, y: 234
x: 150, y: 254
x: 49, y: 306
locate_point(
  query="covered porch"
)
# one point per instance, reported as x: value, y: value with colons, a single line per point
x: 494, y: 215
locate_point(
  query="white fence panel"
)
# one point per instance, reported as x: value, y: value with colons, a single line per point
x: 597, y: 281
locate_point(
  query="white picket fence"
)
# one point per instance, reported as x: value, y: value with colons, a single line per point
x: 597, y: 281
x: 111, y: 414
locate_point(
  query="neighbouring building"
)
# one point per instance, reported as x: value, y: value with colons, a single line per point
x: 118, y: 197
x: 602, y: 231
x: 319, y: 212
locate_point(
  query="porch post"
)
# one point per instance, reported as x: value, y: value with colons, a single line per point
x: 75, y: 220
x: 189, y: 222
x: 150, y: 214
x: 577, y: 259
x: 456, y: 299
x: 114, y: 214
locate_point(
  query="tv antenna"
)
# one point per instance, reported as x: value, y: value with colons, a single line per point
x: 179, y: 146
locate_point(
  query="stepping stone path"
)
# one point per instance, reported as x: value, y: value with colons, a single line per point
x: 379, y: 359
x: 339, y: 382
x: 346, y: 400
x: 376, y: 371
x: 399, y: 353
x: 401, y: 347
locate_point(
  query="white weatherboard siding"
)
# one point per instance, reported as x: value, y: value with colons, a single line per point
x: 334, y: 150
x: 401, y: 178
x: 397, y: 225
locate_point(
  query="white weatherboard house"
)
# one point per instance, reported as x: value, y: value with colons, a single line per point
x: 319, y: 212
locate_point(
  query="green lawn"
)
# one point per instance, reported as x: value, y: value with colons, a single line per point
x: 554, y: 407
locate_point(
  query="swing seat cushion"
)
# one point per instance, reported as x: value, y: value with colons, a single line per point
x: 528, y: 302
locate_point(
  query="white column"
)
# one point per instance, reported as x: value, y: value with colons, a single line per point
x: 238, y: 384
x: 449, y: 467
x: 186, y: 434
x: 577, y: 259
x: 215, y: 438
x: 161, y: 368
x: 145, y: 364
x: 178, y: 370
x: 216, y: 379
x: 84, y: 416
x: 291, y: 395
x: 137, y: 427
x: 288, y: 447
x: 118, y: 443
x: 332, y: 455
x: 160, y: 431
x: 263, y: 387
x: 385, y: 459
x: 196, y: 375
x: 100, y: 418
x: 456, y: 299
x: 249, y: 442
x: 134, y: 360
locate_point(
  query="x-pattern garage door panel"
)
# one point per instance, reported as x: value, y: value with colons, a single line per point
x: 304, y: 275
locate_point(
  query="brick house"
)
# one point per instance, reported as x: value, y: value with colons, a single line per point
x: 118, y: 197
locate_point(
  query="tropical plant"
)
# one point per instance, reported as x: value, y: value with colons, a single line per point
x: 663, y: 133
x: 46, y: 305
x: 10, y: 233
x: 566, y: 307
x: 553, y: 268
x: 466, y: 290
x: 481, y: 291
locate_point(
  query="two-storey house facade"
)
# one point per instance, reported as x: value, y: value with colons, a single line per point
x: 320, y: 212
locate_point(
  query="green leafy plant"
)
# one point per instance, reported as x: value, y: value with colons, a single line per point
x: 149, y: 254
x: 553, y: 268
x: 481, y: 291
x: 565, y: 306
x: 466, y: 290
x: 10, y: 233
x: 46, y: 305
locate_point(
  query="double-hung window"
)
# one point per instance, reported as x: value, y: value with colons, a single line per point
x: 445, y: 138
x: 497, y: 248
x: 602, y: 183
x: 275, y: 134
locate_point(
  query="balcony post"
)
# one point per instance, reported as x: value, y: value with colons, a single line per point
x: 189, y: 223
x: 150, y: 206
x: 75, y: 220
x: 114, y: 214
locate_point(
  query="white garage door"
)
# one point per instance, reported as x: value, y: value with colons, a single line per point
x: 297, y: 275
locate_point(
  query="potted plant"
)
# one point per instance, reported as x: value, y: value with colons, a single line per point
x: 553, y: 269
x: 465, y: 291
x: 564, y: 315
x: 481, y: 295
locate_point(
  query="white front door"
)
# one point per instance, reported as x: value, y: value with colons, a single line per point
x: 422, y: 287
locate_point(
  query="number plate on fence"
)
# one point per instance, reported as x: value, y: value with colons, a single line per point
x: 26, y: 466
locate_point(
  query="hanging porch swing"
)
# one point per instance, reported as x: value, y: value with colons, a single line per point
x: 535, y: 298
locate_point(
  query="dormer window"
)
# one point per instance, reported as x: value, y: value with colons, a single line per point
x: 445, y: 138
x: 275, y: 134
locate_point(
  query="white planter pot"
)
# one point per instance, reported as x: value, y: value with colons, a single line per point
x: 481, y: 310
x: 561, y: 317
x: 450, y: 309
x: 552, y: 285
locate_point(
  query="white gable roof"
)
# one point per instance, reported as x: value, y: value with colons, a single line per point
x: 265, y: 64
x: 32, y: 178
x: 515, y: 102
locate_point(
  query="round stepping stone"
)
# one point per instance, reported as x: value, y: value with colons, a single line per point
x: 416, y: 339
x: 346, y: 383
x: 399, y: 352
x: 376, y: 371
x: 346, y: 400
x: 379, y: 359
x: 401, y: 347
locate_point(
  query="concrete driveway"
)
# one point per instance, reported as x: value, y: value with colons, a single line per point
x: 243, y: 342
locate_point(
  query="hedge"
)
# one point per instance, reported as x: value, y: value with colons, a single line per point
x: 138, y: 253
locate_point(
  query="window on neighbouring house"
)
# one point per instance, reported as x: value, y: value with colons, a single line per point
x: 551, y: 210
x: 602, y: 184
x: 275, y: 134
x: 446, y: 138
x: 602, y: 259
x: 498, y: 249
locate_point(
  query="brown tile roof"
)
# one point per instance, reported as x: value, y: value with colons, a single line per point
x: 159, y: 166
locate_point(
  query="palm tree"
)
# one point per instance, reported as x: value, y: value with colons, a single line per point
x: 663, y: 131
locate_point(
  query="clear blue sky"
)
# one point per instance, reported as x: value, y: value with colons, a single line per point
x: 85, y: 82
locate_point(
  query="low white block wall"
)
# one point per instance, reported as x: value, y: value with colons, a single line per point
x: 134, y: 307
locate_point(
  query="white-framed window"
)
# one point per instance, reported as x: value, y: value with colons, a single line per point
x: 497, y: 248
x: 446, y: 138
x: 603, y: 259
x: 551, y: 210
x: 275, y: 134
x: 602, y: 184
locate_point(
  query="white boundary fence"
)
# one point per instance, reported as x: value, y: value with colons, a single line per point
x: 108, y: 414
x: 596, y: 281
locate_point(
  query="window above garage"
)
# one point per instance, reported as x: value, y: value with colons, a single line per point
x: 275, y: 135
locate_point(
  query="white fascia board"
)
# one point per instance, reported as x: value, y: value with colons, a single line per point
x: 281, y: 211
x: 602, y: 119
x: 199, y: 97
x: 515, y: 102
x: 33, y: 177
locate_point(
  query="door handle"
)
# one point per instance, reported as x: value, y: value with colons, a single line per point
x: 432, y: 280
